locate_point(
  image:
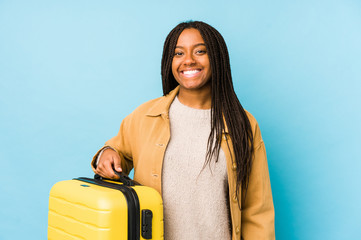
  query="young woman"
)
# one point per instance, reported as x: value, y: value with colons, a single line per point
x: 196, y: 145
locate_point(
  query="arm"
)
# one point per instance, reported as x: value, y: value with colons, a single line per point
x: 116, y: 153
x: 258, y: 210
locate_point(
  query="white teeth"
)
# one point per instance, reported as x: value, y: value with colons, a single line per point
x: 190, y: 72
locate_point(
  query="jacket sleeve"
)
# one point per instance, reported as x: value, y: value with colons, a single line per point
x: 121, y: 144
x: 258, y: 209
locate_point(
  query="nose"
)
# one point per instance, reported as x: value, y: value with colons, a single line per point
x: 189, y: 59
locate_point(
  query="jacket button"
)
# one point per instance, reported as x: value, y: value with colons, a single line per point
x: 234, y: 198
x: 234, y: 166
x: 237, y: 230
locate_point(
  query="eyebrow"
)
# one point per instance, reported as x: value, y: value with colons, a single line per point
x: 196, y: 45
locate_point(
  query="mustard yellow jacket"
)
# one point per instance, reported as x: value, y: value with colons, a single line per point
x: 142, y: 141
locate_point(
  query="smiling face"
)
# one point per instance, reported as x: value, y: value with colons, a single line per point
x: 190, y: 65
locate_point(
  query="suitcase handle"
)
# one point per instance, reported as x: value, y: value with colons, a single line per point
x: 123, y: 178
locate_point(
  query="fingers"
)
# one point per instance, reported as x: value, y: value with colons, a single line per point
x: 117, y: 165
x: 107, y: 161
x: 105, y: 169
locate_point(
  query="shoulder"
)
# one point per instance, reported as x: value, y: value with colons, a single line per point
x: 252, y: 120
x: 140, y: 116
x: 148, y: 106
x: 157, y: 106
x: 142, y: 110
x: 257, y: 136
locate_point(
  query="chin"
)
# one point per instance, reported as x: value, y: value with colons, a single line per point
x: 194, y: 87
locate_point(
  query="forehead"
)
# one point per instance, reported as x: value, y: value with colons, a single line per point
x: 189, y: 37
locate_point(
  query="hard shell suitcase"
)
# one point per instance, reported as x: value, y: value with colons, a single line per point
x: 98, y: 209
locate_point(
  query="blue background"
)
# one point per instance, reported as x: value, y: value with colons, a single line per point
x: 70, y: 71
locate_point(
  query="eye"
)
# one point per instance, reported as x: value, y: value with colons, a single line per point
x: 201, y: 52
x: 178, y: 54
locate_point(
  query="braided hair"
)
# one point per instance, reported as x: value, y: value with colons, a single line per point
x: 226, y: 110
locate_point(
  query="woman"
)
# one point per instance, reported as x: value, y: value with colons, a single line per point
x: 196, y: 145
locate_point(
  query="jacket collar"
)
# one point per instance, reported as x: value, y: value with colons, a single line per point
x: 161, y: 107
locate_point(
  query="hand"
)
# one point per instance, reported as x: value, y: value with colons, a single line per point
x: 108, y: 161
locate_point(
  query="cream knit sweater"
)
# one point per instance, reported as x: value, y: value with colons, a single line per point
x: 195, y: 201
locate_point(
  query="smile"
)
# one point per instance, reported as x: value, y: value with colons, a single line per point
x: 190, y: 73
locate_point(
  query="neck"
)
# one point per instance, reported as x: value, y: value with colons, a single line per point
x: 195, y: 98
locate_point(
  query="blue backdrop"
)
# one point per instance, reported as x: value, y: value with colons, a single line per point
x: 70, y: 71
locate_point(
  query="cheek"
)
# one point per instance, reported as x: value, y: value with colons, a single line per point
x: 174, y: 69
x: 209, y: 74
x: 208, y: 67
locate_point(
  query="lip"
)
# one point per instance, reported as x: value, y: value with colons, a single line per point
x: 189, y: 73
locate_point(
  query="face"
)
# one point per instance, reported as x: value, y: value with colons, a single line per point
x: 190, y: 66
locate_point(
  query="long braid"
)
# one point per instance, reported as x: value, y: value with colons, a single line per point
x: 167, y: 58
x: 226, y: 110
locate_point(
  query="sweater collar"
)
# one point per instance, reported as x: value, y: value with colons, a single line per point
x: 161, y: 107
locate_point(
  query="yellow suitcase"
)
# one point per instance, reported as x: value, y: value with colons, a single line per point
x: 98, y: 209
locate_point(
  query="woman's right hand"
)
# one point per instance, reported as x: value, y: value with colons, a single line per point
x: 108, y: 161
